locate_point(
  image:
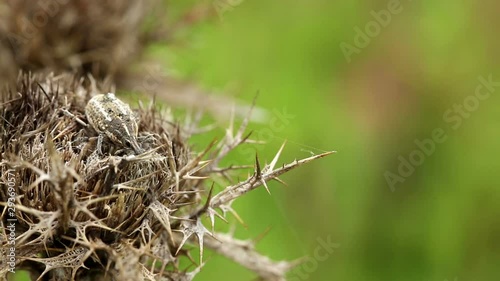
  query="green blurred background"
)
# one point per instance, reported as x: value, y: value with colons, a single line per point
x: 442, y: 222
x: 439, y: 223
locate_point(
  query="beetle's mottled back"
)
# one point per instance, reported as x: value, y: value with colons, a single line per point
x: 113, y: 118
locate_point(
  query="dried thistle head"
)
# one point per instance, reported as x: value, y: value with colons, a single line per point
x: 98, y: 37
x: 115, y: 215
x: 73, y: 195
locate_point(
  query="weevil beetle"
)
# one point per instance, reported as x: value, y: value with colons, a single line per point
x: 111, y: 117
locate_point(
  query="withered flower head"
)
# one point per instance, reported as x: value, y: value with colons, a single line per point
x: 113, y: 213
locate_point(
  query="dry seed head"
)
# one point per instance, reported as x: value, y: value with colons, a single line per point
x: 102, y: 210
x: 66, y: 194
x: 101, y: 38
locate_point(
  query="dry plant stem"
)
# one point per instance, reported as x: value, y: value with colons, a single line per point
x: 259, y: 178
x: 244, y: 253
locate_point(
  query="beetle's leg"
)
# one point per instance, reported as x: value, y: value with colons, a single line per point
x: 99, y: 143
